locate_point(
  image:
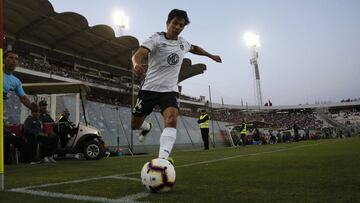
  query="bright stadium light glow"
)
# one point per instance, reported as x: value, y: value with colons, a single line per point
x: 121, y: 19
x: 251, y: 39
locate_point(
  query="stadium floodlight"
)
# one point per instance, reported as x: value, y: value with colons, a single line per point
x: 252, y: 39
x: 121, y: 20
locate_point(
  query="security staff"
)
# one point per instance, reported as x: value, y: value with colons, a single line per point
x: 204, y: 128
x: 243, y: 133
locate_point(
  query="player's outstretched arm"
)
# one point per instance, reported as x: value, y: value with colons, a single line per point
x: 200, y: 51
x: 137, y: 59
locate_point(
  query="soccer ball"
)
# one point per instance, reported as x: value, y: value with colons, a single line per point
x: 158, y: 175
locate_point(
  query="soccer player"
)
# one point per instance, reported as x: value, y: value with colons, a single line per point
x: 165, y: 52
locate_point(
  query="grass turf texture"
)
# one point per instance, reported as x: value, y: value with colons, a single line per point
x: 312, y: 171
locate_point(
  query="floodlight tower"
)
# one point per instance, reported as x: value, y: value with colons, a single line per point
x: 121, y: 21
x: 253, y: 41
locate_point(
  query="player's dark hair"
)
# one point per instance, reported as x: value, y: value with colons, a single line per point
x: 176, y: 13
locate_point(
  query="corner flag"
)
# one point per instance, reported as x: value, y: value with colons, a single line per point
x: 1, y: 126
x: 1, y: 102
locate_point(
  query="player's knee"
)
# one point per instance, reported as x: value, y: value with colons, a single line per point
x: 170, y: 121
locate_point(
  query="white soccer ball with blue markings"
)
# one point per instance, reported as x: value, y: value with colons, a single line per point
x: 158, y: 175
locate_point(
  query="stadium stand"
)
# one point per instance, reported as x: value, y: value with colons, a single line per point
x: 63, y: 47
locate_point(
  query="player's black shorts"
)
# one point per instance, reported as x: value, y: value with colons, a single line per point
x: 147, y: 100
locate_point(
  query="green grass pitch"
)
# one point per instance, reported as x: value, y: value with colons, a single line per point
x: 308, y: 171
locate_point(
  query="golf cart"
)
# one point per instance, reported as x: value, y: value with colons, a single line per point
x: 85, y: 139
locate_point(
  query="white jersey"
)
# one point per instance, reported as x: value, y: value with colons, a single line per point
x: 164, y: 62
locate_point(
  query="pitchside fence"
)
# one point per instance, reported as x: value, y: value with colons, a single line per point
x: 114, y: 124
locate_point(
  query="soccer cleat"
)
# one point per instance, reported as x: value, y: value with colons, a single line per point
x: 144, y: 133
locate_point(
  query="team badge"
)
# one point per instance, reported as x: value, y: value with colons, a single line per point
x: 173, y: 59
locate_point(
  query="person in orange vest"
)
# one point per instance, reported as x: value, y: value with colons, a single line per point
x: 204, y: 128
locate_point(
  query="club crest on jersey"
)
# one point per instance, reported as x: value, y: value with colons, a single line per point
x: 173, y: 59
x: 182, y: 47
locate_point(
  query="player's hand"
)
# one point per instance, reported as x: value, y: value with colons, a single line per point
x: 138, y: 70
x: 216, y: 58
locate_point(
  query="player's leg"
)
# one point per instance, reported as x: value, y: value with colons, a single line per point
x: 168, y: 136
x: 139, y: 123
x: 143, y: 107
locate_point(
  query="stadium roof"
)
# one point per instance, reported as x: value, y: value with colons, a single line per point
x: 35, y: 22
x: 55, y: 88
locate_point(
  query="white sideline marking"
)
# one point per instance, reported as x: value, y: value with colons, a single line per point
x: 129, y: 198
x: 126, y: 199
x: 244, y: 155
x: 127, y: 178
x: 83, y: 180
